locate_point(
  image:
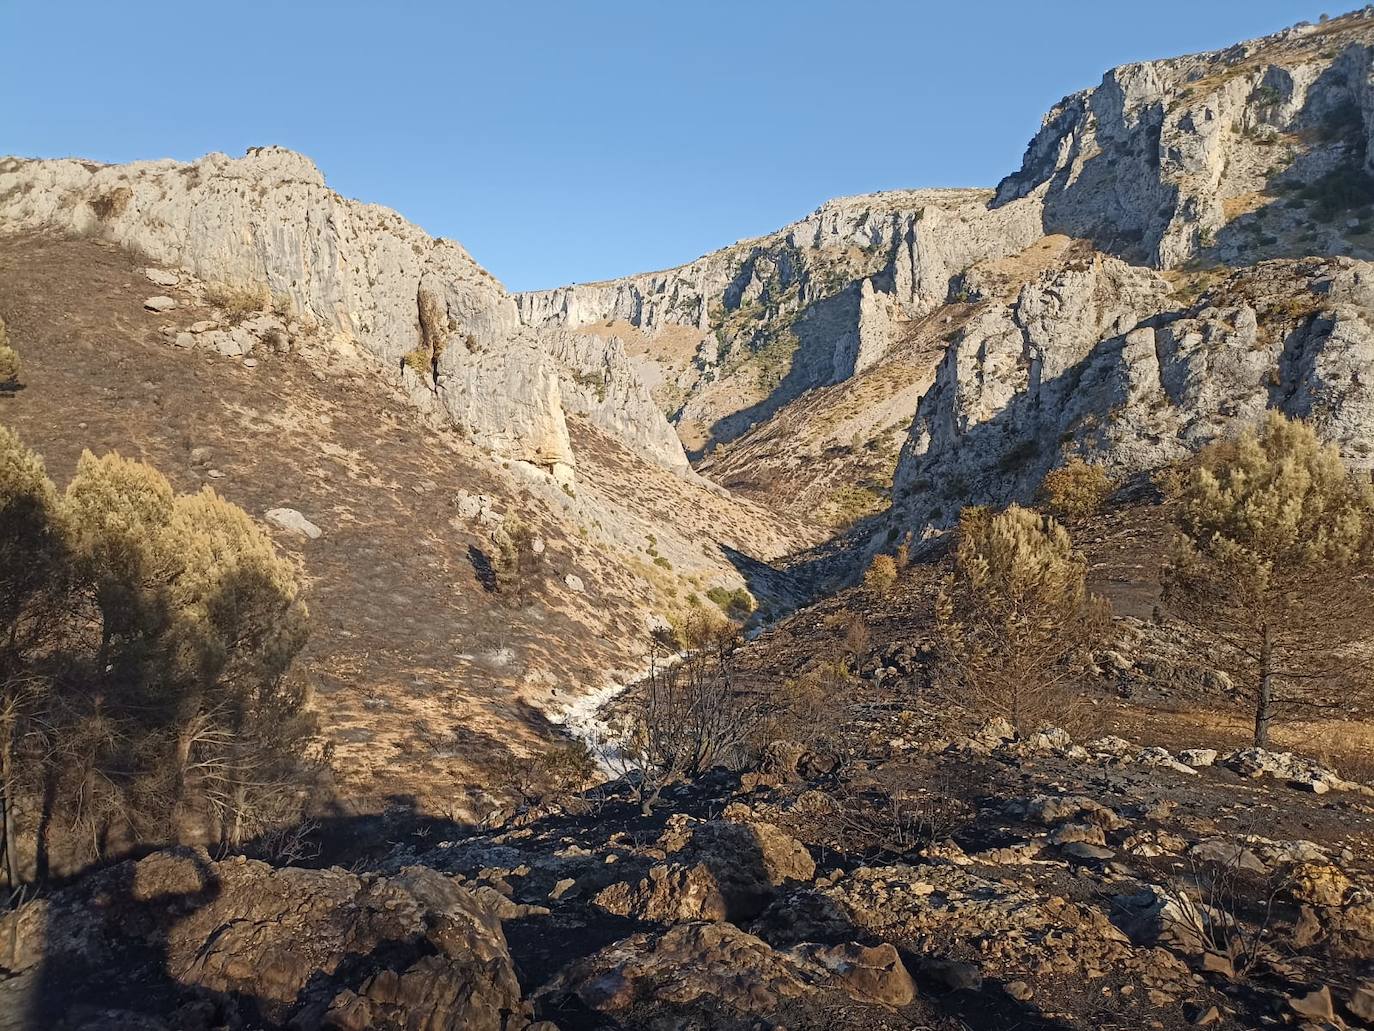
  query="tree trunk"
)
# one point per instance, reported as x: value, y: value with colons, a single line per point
x: 43, y: 842
x: 6, y: 815
x: 1264, y: 702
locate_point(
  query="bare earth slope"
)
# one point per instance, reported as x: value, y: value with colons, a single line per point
x: 422, y: 676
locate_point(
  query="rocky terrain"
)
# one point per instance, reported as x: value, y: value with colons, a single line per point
x: 1185, y: 246
x: 1040, y: 883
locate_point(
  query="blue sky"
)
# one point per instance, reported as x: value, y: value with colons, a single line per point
x: 565, y: 142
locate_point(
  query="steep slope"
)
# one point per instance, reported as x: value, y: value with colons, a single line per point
x: 424, y: 677
x: 421, y: 306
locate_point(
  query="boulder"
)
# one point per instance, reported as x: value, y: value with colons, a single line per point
x: 1198, y: 758
x: 717, y: 871
x: 1228, y: 854
x: 159, y: 304
x: 1156, y: 916
x: 292, y: 521
x: 875, y: 972
x: 1306, y: 774
x: 250, y: 943
x: 1361, y: 1002
x: 161, y: 277
x: 1314, y: 1005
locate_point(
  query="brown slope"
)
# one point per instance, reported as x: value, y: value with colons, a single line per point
x: 406, y: 651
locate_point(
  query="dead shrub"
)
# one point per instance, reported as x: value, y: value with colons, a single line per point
x: 1076, y: 490
x: 238, y: 302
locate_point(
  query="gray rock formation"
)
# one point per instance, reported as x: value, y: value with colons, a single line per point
x: 268, y: 221
x: 1103, y: 362
x: 814, y: 303
x: 1150, y: 163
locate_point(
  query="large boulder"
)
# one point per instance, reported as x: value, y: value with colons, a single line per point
x: 715, y: 871
x: 716, y: 975
x: 179, y: 940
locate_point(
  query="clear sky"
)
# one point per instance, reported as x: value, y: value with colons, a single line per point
x: 571, y: 141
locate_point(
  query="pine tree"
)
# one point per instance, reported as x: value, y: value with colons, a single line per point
x: 1274, y: 562
x: 1014, y: 617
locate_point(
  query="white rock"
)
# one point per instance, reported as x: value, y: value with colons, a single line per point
x: 291, y: 520
x: 161, y: 277
x: 185, y: 340
x: 159, y: 304
x: 1198, y: 757
x: 574, y: 582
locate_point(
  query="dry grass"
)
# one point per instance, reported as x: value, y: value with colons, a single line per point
x: 238, y: 302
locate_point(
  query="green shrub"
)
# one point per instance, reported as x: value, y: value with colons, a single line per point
x: 881, y: 574
x: 737, y: 604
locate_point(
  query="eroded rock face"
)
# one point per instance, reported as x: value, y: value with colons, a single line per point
x: 268, y: 220
x: 1098, y: 359
x: 824, y: 299
x: 1145, y: 163
x: 178, y: 940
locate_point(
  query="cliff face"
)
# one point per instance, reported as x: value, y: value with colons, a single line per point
x: 1152, y: 163
x: 268, y: 219
x: 1222, y: 207
x: 737, y: 334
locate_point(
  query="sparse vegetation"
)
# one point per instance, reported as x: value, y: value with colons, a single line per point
x: 1342, y: 189
x: 517, y: 560
x: 1273, y: 563
x: 238, y: 302
x: 689, y: 715
x: 881, y: 575
x: 10, y: 366
x: 737, y: 604
x: 549, y: 777
x: 1014, y: 619
x: 1076, y: 489
x: 850, y: 503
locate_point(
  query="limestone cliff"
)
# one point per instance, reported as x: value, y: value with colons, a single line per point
x: 359, y: 269
x: 735, y: 335
x: 1242, y: 177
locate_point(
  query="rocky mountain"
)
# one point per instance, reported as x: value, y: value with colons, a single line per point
x: 420, y: 306
x: 370, y: 394
x: 1185, y: 246
x: 989, y: 336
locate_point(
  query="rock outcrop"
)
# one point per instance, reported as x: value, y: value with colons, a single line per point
x: 177, y: 940
x: 1101, y: 359
x: 1152, y: 163
x: 421, y: 306
x: 735, y: 334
